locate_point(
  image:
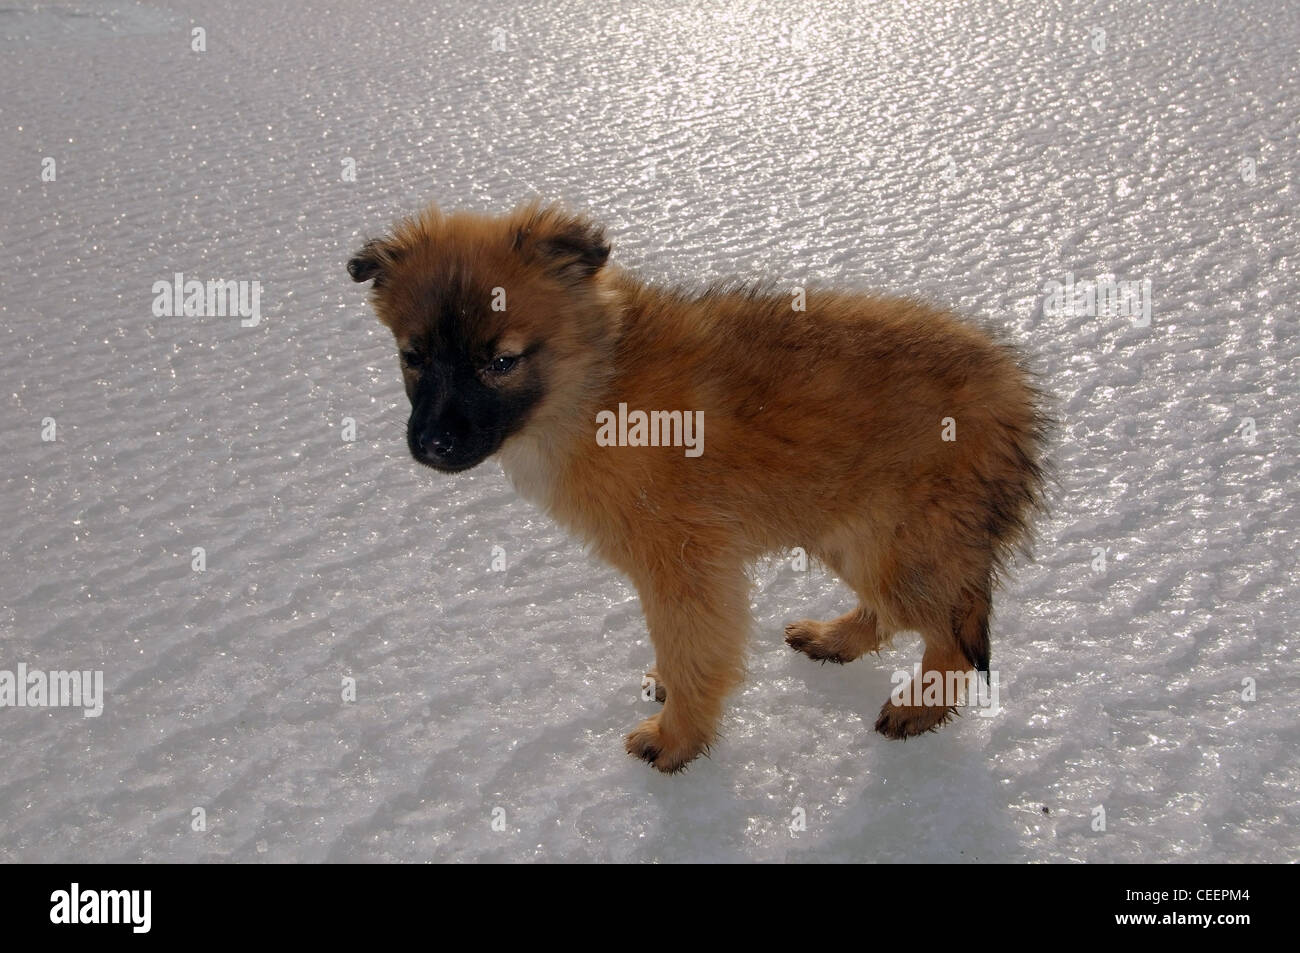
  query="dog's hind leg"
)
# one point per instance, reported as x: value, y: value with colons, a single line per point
x: 654, y: 682
x: 840, y: 640
x: 851, y: 635
x: 954, y: 647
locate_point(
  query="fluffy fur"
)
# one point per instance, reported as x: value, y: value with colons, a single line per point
x: 823, y: 430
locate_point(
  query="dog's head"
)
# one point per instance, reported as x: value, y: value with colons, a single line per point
x: 496, y: 319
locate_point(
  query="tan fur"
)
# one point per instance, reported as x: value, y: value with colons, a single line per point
x: 822, y: 431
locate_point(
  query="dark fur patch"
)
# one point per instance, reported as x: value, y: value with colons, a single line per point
x: 452, y: 405
x: 370, y: 261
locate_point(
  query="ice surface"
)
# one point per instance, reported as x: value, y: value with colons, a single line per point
x: 969, y: 152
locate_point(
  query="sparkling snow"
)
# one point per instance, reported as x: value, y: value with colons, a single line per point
x: 969, y: 152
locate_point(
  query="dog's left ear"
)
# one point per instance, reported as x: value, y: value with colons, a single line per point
x: 572, y: 248
x: 371, y: 261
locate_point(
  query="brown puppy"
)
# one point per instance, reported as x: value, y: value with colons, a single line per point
x: 890, y: 440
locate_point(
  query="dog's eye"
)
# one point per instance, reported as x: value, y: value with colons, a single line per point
x: 503, y: 364
x: 410, y: 359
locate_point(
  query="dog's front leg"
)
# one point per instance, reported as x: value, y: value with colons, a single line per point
x: 698, y: 620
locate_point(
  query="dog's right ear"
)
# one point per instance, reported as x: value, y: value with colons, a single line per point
x: 570, y: 247
x: 371, y: 261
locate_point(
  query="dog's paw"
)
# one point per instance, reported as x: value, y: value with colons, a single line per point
x: 901, y: 722
x: 808, y: 636
x: 649, y: 742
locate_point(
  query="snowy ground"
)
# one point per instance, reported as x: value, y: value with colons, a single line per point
x: 967, y: 151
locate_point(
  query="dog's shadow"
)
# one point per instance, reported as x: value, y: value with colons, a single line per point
x: 799, y: 773
x: 830, y: 789
x: 783, y: 786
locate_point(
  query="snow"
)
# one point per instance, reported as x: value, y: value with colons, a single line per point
x: 969, y: 152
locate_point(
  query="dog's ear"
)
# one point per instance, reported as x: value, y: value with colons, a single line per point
x: 371, y: 261
x: 570, y: 247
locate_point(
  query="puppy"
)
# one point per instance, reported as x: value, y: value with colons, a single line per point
x: 895, y: 443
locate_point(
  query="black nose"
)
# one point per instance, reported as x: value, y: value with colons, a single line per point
x: 437, y: 443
